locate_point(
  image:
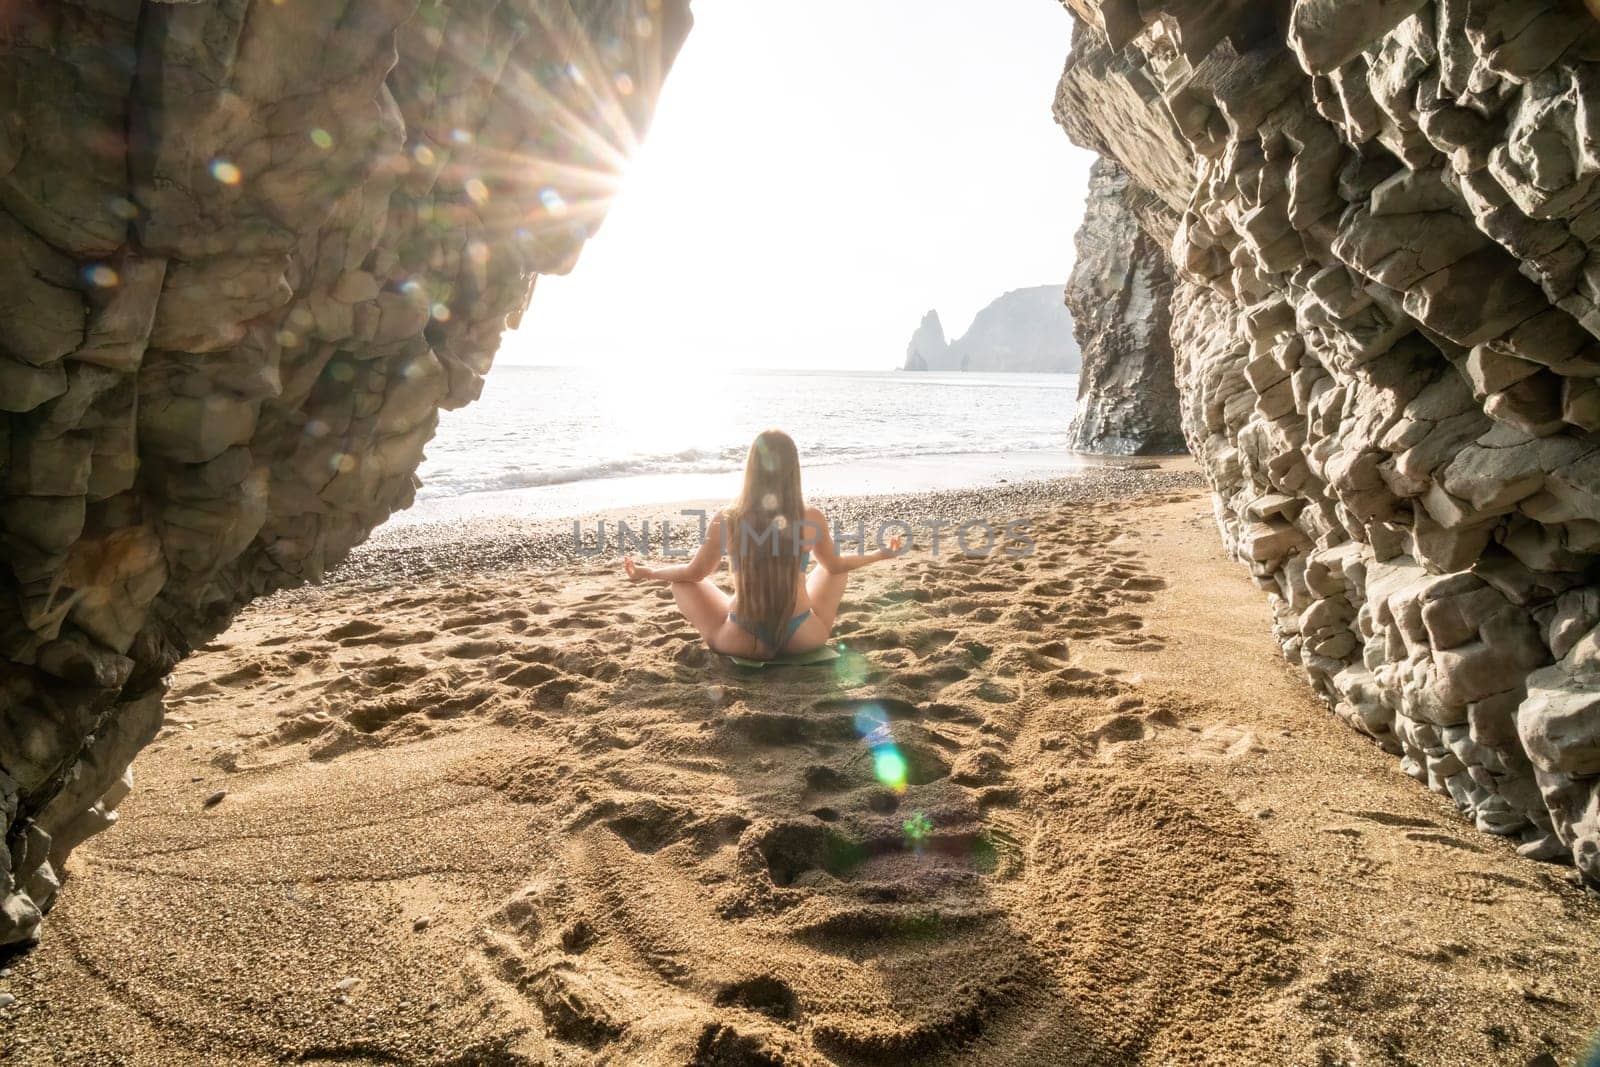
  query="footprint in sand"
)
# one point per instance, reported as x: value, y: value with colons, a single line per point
x: 1446, y: 840
x: 526, y: 676
x: 980, y: 767
x: 1120, y: 729
x: 935, y: 678
x: 1136, y: 642
x: 487, y: 619
x: 1223, y: 742
x: 385, y: 638
x: 958, y: 714
x: 481, y: 648
x: 1384, y: 818
x: 245, y: 675
x: 353, y: 628
x: 925, y: 642
x: 814, y: 894
x: 1059, y: 588
x: 816, y: 864
x: 390, y: 674
x: 1078, y: 682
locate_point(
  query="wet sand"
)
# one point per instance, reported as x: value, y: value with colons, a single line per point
x: 480, y: 801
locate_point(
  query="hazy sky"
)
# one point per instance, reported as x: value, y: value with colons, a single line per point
x: 818, y: 176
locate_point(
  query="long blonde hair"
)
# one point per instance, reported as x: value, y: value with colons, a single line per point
x: 765, y: 526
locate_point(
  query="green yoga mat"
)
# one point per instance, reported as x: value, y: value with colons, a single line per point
x: 825, y: 654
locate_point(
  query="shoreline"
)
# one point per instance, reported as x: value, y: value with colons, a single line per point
x: 494, y: 541
x: 863, y: 477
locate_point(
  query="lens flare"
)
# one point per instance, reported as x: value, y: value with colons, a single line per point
x: 477, y: 190
x: 888, y: 764
x: 872, y: 724
x: 890, y: 767
x: 849, y: 670
x: 100, y: 276
x: 553, y: 201
x: 321, y: 138
x: 225, y: 172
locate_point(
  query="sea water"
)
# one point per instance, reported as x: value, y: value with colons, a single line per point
x: 559, y: 440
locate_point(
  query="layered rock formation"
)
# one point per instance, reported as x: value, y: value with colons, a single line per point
x: 1386, y: 216
x: 250, y: 250
x: 1120, y: 296
x: 1026, y: 330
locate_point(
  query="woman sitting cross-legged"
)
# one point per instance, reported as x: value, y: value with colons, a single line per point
x: 769, y: 536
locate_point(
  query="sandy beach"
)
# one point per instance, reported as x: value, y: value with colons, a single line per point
x: 478, y: 800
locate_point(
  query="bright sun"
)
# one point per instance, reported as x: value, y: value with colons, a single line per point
x: 806, y: 194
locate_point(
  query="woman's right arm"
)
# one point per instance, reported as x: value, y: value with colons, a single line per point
x: 698, y: 569
x: 828, y: 557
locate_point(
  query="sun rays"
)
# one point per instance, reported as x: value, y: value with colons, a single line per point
x: 581, y: 93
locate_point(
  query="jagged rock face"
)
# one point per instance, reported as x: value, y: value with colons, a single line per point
x: 1023, y: 331
x: 1120, y: 295
x: 1386, y: 350
x: 250, y: 249
x: 928, y: 349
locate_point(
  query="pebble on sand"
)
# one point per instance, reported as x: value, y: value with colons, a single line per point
x: 215, y: 798
x: 6, y: 1000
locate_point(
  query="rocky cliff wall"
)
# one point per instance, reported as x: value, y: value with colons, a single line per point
x: 247, y: 251
x: 1386, y: 216
x: 1120, y: 295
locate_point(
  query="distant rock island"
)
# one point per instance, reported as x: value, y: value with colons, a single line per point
x: 1027, y: 330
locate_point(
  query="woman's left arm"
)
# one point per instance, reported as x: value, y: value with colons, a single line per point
x: 828, y: 556
x: 698, y: 569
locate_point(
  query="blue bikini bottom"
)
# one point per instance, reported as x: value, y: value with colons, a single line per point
x: 772, y: 640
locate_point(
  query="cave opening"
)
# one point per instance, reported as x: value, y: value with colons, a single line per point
x: 265, y: 280
x: 1343, y: 252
